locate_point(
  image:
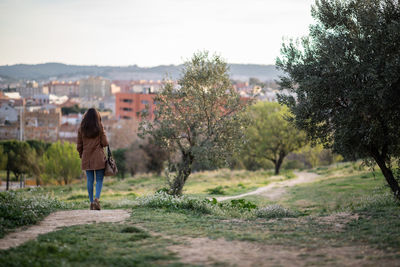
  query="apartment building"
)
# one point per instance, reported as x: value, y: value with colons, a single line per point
x: 145, y: 87
x: 130, y: 105
x: 61, y: 88
x: 94, y: 87
x: 30, y: 89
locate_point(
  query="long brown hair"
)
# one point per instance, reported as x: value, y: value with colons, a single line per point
x: 91, y: 123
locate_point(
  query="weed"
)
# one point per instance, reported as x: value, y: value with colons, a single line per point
x: 131, y: 229
x: 17, y: 209
x: 243, y: 204
x: 274, y: 211
x: 216, y: 191
x: 235, y: 208
x: 241, y: 185
x: 163, y: 190
x: 289, y: 174
x: 80, y: 196
x: 164, y: 200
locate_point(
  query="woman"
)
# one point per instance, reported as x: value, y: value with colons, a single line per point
x: 91, y: 140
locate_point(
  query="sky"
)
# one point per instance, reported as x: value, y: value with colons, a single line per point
x: 147, y: 32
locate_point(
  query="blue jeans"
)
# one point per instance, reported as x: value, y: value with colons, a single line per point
x: 90, y: 181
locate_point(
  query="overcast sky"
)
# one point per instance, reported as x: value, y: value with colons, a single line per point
x: 147, y: 32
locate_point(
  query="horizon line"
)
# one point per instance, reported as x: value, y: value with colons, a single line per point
x: 133, y: 65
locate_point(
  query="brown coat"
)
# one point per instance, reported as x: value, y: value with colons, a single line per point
x: 91, y: 150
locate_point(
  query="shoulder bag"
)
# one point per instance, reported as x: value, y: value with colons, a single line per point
x: 111, y: 166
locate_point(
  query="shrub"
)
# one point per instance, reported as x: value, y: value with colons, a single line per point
x: 243, y: 204
x: 216, y: 190
x: 241, y: 185
x: 274, y: 211
x: 162, y: 199
x: 376, y: 201
x: 289, y: 175
x: 235, y: 208
x: 16, y: 209
x: 163, y: 190
x: 293, y: 164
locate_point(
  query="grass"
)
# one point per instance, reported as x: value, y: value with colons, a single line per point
x: 334, y: 194
x: 17, y: 209
x: 199, y: 184
x: 306, y: 217
x: 102, y: 244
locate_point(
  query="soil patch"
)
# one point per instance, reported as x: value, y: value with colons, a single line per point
x: 205, y: 251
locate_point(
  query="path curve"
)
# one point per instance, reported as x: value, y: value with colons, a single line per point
x: 275, y: 190
x: 62, y: 219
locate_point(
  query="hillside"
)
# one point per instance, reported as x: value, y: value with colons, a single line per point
x: 62, y: 71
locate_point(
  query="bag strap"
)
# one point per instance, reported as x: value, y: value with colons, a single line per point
x: 109, y: 151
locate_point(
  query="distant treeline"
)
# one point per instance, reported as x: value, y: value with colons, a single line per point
x: 47, y: 163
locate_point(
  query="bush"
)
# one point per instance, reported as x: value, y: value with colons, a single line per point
x: 289, y: 175
x: 274, y: 211
x: 238, y: 208
x: 243, y: 204
x: 376, y: 201
x: 216, y: 191
x: 293, y: 164
x: 17, y: 210
x: 163, y: 200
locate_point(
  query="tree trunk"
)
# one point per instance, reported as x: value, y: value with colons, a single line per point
x: 278, y: 163
x: 177, y: 185
x: 8, y: 180
x: 387, y: 172
x: 17, y: 177
x: 184, y: 170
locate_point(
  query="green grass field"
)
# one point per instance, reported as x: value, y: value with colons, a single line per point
x: 347, y: 216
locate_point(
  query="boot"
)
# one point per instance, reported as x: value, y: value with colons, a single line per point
x: 97, y: 204
x: 91, y: 206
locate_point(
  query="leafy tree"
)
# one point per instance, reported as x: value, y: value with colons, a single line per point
x: 123, y: 134
x: 3, y: 158
x: 72, y: 110
x: 316, y: 155
x: 200, y: 119
x: 120, y: 160
x: 270, y: 136
x: 255, y: 81
x: 37, y: 169
x: 39, y: 146
x: 19, y: 159
x: 346, y: 75
x: 136, y: 158
x: 62, y: 162
x: 156, y: 156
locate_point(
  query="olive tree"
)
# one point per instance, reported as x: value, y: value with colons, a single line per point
x: 346, y: 75
x: 200, y: 118
x: 270, y: 135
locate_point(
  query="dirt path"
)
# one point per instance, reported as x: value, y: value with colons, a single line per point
x: 209, y: 252
x: 61, y: 219
x: 276, y: 189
